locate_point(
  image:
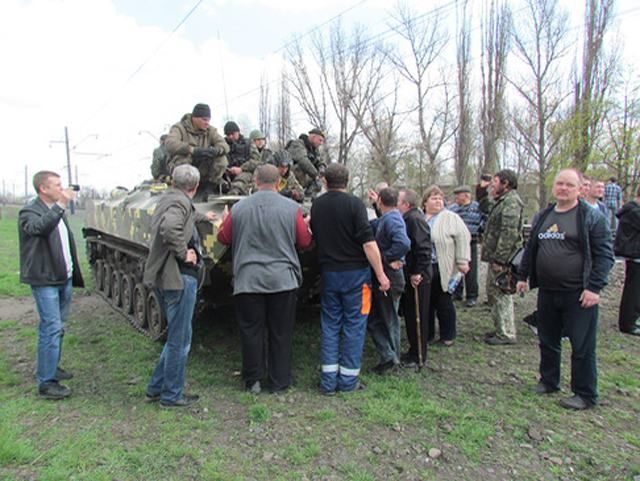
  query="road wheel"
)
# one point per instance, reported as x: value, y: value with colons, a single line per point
x: 108, y: 270
x: 157, y: 321
x: 126, y: 293
x: 140, y: 306
x: 98, y: 275
x: 116, y: 288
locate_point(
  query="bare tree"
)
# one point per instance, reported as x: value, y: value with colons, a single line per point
x: 538, y: 38
x: 350, y: 72
x: 264, y: 107
x: 424, y: 43
x: 463, y: 135
x: 282, y: 115
x: 591, y: 88
x: 621, y: 149
x: 495, y: 26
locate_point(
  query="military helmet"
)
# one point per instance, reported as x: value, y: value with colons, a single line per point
x: 282, y: 157
x: 506, y: 282
x: 256, y: 134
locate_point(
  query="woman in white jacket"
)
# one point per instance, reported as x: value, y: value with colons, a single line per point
x: 450, y: 257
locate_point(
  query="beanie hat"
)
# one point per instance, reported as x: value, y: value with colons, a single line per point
x: 231, y: 127
x: 201, y: 110
x: 256, y: 134
x: 317, y: 131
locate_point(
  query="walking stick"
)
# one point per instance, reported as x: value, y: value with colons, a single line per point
x: 418, y: 326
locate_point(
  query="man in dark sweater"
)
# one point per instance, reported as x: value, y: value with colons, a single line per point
x: 568, y: 256
x: 417, y: 273
x: 49, y: 264
x: 391, y: 237
x: 346, y: 248
x: 627, y: 245
x: 264, y: 230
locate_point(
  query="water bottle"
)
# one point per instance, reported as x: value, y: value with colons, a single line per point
x: 454, y: 280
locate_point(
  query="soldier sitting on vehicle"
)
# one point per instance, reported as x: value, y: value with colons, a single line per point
x: 259, y: 150
x: 241, y: 164
x: 287, y: 185
x: 159, y: 168
x: 194, y: 141
x: 308, y: 166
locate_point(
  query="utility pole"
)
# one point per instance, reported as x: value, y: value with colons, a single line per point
x: 72, y: 205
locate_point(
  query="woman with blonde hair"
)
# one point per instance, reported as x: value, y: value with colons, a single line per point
x: 450, y: 257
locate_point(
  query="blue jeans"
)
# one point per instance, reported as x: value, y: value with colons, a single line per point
x: 53, y: 307
x: 346, y: 301
x: 167, y: 379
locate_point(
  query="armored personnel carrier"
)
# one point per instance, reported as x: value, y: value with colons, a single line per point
x: 118, y: 236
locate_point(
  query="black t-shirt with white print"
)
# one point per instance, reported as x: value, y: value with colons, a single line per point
x: 559, y: 262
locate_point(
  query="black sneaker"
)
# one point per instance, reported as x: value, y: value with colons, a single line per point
x: 53, y: 390
x: 384, y: 367
x: 185, y: 401
x: 151, y: 398
x: 471, y: 303
x: 542, y: 388
x: 499, y: 341
x: 575, y: 402
x: 62, y: 375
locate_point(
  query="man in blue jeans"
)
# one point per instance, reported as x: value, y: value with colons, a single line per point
x: 172, y: 268
x: 346, y: 248
x: 49, y: 264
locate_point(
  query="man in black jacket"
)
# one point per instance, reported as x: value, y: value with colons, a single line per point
x: 417, y: 272
x: 49, y: 264
x: 568, y: 256
x: 627, y: 245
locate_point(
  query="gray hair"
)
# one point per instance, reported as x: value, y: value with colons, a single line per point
x: 185, y: 177
x: 411, y: 197
x: 266, y: 174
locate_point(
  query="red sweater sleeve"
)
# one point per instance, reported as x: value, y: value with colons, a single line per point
x: 303, y: 236
x: 225, y: 234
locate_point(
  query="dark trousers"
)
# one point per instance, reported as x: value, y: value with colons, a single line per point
x: 471, y: 277
x: 276, y: 314
x: 441, y: 304
x: 409, y: 311
x: 559, y: 313
x: 629, y: 315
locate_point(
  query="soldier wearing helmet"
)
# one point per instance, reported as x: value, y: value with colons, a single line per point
x: 287, y: 185
x: 259, y: 151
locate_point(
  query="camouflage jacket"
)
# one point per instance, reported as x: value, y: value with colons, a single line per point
x: 184, y: 135
x: 503, y: 231
x: 290, y: 187
x: 159, y: 164
x: 306, y: 156
x: 240, y: 154
x: 256, y: 158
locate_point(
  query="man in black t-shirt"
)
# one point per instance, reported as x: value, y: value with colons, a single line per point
x: 568, y: 256
x: 346, y: 248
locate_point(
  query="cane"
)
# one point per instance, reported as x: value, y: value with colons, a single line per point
x: 418, y: 326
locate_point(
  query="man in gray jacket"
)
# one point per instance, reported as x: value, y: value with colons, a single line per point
x: 49, y: 264
x: 264, y: 230
x: 172, y: 268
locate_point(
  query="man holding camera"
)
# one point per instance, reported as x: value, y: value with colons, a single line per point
x: 193, y: 141
x: 49, y: 264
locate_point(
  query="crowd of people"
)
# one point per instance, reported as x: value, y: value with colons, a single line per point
x: 412, y: 261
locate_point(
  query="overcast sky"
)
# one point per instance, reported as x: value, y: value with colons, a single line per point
x: 112, y: 68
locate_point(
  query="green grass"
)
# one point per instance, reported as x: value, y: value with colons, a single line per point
x: 471, y: 401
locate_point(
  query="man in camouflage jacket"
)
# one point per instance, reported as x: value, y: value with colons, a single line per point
x: 306, y: 158
x: 194, y: 141
x: 502, y: 239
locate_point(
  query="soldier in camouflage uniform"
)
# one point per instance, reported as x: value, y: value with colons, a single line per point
x: 259, y: 151
x: 307, y: 163
x: 159, y: 168
x: 288, y: 185
x: 241, y: 163
x: 502, y: 239
x: 194, y: 141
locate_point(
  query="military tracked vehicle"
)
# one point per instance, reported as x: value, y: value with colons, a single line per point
x: 118, y: 236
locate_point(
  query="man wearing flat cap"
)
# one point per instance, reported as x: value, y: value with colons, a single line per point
x: 194, y: 141
x: 470, y: 213
x: 307, y: 162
